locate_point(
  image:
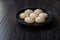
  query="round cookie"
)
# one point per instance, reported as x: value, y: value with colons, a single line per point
x: 33, y: 15
x: 28, y: 11
x: 40, y: 20
x: 29, y: 20
x: 38, y: 11
x: 44, y: 15
x: 23, y: 15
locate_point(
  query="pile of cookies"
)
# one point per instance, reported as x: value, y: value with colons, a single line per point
x: 30, y: 16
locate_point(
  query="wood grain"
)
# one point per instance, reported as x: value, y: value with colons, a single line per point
x: 19, y: 33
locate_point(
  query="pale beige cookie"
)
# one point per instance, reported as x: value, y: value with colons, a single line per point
x: 28, y: 11
x: 33, y: 15
x: 29, y: 20
x: 44, y: 15
x: 23, y: 15
x: 40, y: 20
x: 38, y: 11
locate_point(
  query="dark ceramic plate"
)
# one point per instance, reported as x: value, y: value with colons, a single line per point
x: 22, y: 22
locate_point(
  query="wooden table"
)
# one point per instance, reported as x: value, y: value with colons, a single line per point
x: 19, y: 33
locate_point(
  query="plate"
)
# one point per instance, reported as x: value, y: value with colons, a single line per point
x: 23, y: 23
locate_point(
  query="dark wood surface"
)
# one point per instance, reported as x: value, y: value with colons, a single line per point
x: 19, y: 33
